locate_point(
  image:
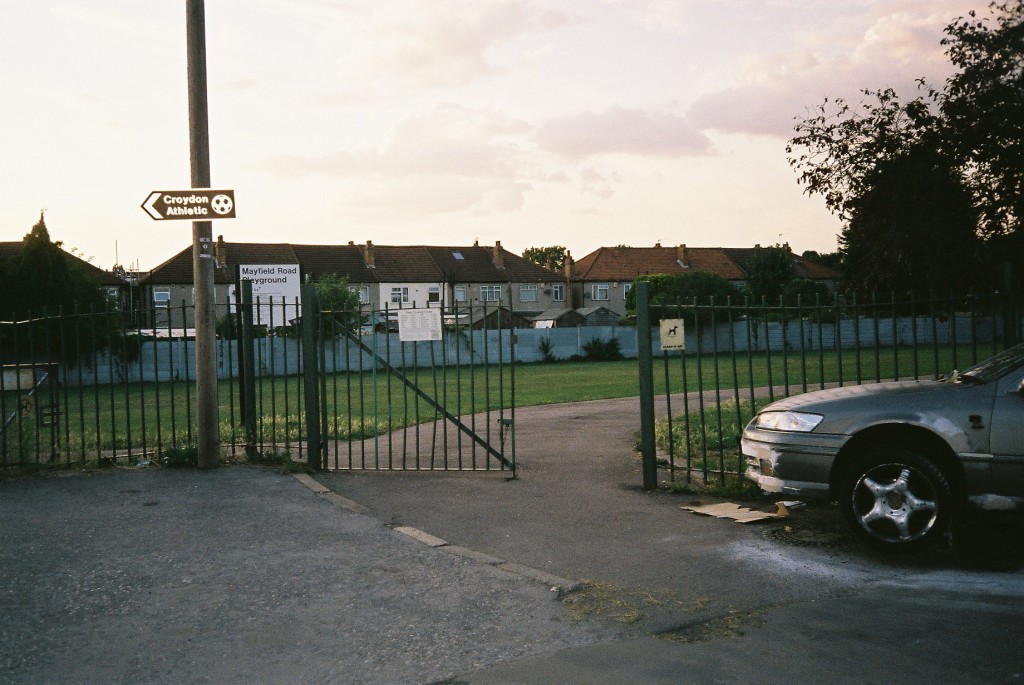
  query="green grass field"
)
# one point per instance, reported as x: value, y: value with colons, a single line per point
x: 151, y: 417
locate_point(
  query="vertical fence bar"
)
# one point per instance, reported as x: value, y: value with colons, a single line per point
x: 643, y: 337
x: 803, y: 345
x: 856, y: 338
x: 878, y: 338
x: 785, y: 346
x: 913, y: 335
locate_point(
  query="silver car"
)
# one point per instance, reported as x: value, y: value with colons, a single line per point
x: 902, y: 459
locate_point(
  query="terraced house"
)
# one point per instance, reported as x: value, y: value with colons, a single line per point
x: 604, y: 277
x: 384, y: 276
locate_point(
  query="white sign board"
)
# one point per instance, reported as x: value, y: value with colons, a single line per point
x: 276, y: 287
x: 419, y: 324
x: 672, y: 334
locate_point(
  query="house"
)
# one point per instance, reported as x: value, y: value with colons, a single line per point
x: 169, y: 292
x: 384, y: 276
x: 804, y: 268
x: 604, y: 277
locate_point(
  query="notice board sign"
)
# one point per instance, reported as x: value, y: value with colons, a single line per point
x: 415, y: 325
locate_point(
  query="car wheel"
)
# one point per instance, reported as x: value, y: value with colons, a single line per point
x: 896, y: 500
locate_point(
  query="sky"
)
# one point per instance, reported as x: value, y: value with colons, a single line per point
x: 582, y: 123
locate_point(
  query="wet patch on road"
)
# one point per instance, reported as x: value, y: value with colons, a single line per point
x: 804, y: 535
x: 734, y: 624
x: 597, y: 600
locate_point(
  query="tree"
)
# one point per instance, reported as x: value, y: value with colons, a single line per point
x: 43, y: 277
x: 912, y: 229
x: 334, y: 295
x: 833, y: 260
x: 982, y: 117
x: 837, y: 149
x: 967, y: 137
x: 555, y: 254
x: 771, y: 270
x: 42, y: 280
x: 666, y: 291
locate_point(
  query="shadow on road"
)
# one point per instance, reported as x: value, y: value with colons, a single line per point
x: 982, y: 541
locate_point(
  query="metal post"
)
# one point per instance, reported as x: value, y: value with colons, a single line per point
x: 247, y: 369
x: 208, y: 420
x: 310, y: 324
x: 643, y: 337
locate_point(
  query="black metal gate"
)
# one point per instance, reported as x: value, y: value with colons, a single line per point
x: 377, y: 398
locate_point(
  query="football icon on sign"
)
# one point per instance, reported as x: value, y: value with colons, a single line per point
x: 222, y: 204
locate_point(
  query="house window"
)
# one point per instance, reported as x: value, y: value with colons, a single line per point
x: 626, y: 287
x: 399, y: 296
x: 460, y: 293
x: 599, y: 291
x: 528, y: 293
x: 162, y: 299
x: 363, y: 291
x: 433, y: 295
x: 558, y: 292
x: 490, y: 293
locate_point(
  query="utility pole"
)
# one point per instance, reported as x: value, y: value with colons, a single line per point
x: 203, y: 258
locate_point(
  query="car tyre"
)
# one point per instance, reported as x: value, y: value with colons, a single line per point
x: 896, y: 500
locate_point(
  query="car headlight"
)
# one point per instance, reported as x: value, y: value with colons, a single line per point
x: 795, y: 421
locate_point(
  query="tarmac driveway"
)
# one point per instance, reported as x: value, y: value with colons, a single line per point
x: 728, y: 602
x: 244, y: 575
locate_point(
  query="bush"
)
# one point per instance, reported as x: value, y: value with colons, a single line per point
x: 601, y: 350
x: 547, y: 351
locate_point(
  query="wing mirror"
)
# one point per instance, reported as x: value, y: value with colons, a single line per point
x: 1020, y: 388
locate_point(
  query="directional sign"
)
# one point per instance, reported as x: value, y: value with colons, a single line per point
x: 198, y: 204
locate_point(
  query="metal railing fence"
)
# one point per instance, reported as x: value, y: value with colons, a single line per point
x: 738, y: 357
x: 87, y: 386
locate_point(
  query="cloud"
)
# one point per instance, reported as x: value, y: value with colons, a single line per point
x: 413, y: 199
x: 438, y: 43
x: 621, y: 130
x: 894, y: 50
x: 448, y: 140
x: 446, y: 159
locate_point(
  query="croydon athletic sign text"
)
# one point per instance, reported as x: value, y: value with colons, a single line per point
x: 198, y: 204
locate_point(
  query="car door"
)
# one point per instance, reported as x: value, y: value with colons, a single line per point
x: 1007, y: 441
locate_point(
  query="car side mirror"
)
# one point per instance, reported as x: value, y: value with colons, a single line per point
x: 1020, y: 388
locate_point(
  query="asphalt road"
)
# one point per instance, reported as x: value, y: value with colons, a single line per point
x: 244, y: 575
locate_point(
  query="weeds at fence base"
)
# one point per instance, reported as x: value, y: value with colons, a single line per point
x: 186, y: 457
x: 731, y: 486
x: 282, y: 461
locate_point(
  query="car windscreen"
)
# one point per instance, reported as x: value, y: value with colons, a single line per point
x: 997, y: 366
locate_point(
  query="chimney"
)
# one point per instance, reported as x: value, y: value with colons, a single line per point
x: 351, y: 243
x: 657, y: 244
x: 550, y: 263
x: 570, y: 267
x: 368, y: 257
x: 681, y: 256
x: 220, y: 253
x: 499, y: 260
